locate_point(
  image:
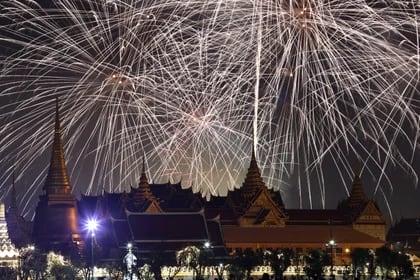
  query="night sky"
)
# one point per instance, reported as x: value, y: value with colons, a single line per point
x: 177, y: 85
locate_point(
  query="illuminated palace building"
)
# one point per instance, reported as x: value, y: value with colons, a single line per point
x: 164, y: 218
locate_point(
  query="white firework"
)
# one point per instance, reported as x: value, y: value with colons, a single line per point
x: 190, y: 85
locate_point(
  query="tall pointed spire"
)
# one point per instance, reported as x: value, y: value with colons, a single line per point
x: 143, y: 192
x: 56, y: 221
x: 253, y: 181
x: 57, y: 181
x: 13, y: 201
x: 357, y: 196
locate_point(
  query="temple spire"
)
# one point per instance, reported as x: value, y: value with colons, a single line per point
x: 57, y: 181
x: 253, y: 157
x: 143, y: 192
x: 13, y: 201
x: 357, y: 197
x: 253, y: 181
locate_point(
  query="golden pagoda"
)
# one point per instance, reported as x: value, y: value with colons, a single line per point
x: 56, y: 223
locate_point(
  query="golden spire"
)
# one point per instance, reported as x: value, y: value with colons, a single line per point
x: 143, y: 191
x: 253, y: 180
x: 57, y: 181
x: 357, y: 196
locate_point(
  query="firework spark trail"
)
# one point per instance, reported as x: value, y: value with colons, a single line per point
x: 191, y: 84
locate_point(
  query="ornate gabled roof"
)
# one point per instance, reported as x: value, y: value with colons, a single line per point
x: 254, y: 204
x: 57, y: 181
x: 252, y: 187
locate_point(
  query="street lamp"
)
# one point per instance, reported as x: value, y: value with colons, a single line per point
x: 92, y: 226
x: 331, y: 244
x: 347, y: 262
x: 371, y: 267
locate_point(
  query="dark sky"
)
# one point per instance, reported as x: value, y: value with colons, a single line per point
x: 401, y: 195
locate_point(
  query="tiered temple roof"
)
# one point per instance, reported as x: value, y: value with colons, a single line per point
x: 178, y: 221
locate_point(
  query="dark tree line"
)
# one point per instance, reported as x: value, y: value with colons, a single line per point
x: 238, y: 265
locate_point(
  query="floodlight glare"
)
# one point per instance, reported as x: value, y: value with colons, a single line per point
x: 92, y: 225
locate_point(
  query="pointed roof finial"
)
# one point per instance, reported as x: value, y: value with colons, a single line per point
x: 143, y: 169
x: 57, y: 114
x: 357, y: 168
x: 57, y: 180
x: 13, y: 200
x: 253, y: 153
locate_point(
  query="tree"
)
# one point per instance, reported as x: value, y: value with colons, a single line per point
x: 404, y: 266
x: 298, y: 262
x: 359, y: 258
x: 315, y: 261
x: 33, y: 264
x: 243, y: 262
x: 385, y: 259
x: 391, y: 261
x: 157, y: 260
x: 192, y: 257
x: 145, y: 273
x: 115, y: 269
x: 63, y: 272
x: 279, y: 260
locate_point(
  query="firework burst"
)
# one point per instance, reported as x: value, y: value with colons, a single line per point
x: 190, y: 85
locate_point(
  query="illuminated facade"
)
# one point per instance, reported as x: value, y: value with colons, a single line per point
x: 255, y: 217
x: 9, y: 254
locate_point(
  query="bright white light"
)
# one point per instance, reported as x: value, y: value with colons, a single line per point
x: 207, y: 244
x: 92, y: 225
x: 129, y: 245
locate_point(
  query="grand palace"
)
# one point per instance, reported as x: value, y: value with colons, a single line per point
x: 164, y: 218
